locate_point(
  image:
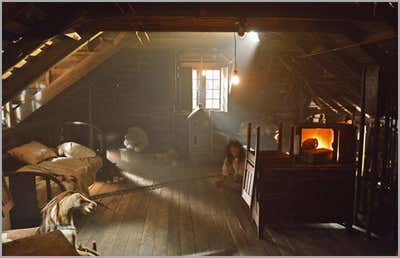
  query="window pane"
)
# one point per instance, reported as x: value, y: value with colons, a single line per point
x: 212, y: 94
x: 209, y: 103
x: 209, y: 94
x: 194, y: 74
x: 216, y: 94
x: 194, y: 84
x: 209, y: 84
x: 216, y: 84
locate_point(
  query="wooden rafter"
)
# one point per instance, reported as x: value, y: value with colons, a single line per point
x: 307, y: 86
x: 71, y: 75
x: 23, y: 76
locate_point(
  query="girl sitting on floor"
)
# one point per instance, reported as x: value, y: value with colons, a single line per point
x: 233, y: 164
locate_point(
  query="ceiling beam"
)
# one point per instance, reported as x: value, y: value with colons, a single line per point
x: 213, y: 24
x: 314, y: 11
x: 339, y: 56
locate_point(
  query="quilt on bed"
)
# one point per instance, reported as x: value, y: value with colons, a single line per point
x: 74, y: 174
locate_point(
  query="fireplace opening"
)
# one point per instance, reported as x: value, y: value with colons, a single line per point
x: 324, y: 137
x: 317, y: 144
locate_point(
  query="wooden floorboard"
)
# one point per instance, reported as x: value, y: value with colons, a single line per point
x: 194, y: 217
x: 173, y: 233
x: 148, y: 236
x: 134, y: 222
x: 186, y: 230
x: 199, y: 220
x: 111, y: 236
x: 103, y: 220
x: 124, y: 229
x: 161, y: 226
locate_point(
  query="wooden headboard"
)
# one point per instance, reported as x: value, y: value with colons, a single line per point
x: 83, y: 133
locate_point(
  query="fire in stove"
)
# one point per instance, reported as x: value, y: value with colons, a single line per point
x: 322, y: 137
x: 317, y: 144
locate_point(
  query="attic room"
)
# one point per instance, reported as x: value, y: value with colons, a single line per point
x: 204, y: 128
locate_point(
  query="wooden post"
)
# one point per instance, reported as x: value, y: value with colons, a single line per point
x: 257, y: 146
x: 375, y: 145
x: 336, y: 142
x: 280, y: 137
x: 292, y: 134
x: 361, y: 145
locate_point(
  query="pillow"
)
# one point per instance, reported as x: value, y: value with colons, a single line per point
x: 32, y: 153
x: 75, y: 150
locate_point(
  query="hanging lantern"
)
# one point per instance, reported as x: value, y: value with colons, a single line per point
x: 235, y: 78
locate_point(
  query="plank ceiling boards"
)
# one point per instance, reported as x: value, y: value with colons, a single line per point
x: 27, y: 25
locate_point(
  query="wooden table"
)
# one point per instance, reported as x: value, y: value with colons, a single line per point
x: 50, y: 244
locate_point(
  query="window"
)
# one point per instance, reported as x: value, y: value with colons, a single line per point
x: 207, y: 89
x: 213, y: 89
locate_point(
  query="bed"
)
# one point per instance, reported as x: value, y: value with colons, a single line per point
x: 32, y: 186
x: 74, y: 174
x: 280, y: 188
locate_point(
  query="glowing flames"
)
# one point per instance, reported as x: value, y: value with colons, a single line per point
x: 323, y: 135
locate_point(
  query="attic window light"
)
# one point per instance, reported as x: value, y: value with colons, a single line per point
x: 313, y: 105
x: 49, y: 43
x: 73, y: 35
x: 20, y: 63
x: 6, y: 75
x: 36, y: 52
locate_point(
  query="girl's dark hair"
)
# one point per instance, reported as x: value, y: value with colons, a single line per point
x: 237, y: 144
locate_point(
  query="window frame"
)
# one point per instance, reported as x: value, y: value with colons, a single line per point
x: 202, y: 89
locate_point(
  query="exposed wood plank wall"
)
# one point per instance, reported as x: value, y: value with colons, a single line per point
x: 137, y: 87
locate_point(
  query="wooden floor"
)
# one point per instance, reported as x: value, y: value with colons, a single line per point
x: 185, y: 214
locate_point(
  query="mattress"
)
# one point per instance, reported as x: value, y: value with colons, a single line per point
x: 74, y: 174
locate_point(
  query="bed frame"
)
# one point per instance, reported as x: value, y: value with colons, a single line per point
x: 278, y: 188
x: 25, y: 211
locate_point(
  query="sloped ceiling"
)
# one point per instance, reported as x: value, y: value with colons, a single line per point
x: 332, y: 39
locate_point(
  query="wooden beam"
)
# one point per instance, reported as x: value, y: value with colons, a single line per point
x: 315, y: 63
x: 315, y: 91
x: 369, y: 45
x: 38, y: 65
x: 315, y: 11
x: 213, y: 24
x: 71, y: 76
x: 348, y: 63
x: 307, y: 85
